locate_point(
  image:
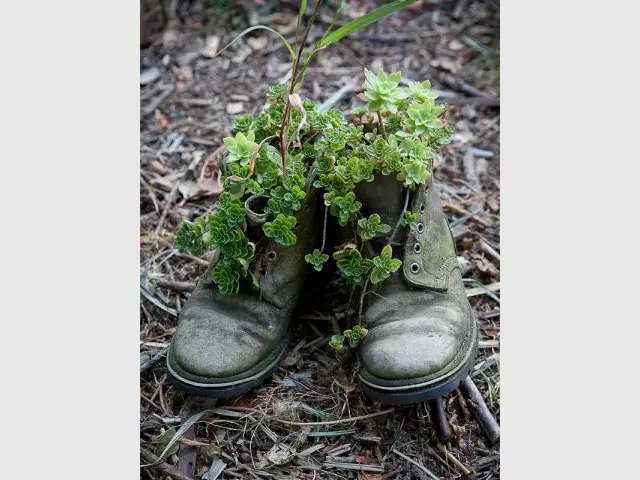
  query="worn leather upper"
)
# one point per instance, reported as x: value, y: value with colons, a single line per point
x: 420, y: 322
x: 219, y: 338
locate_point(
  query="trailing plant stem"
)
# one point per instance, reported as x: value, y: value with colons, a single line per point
x: 384, y: 134
x: 364, y: 292
x: 294, y: 75
x: 404, y: 209
x: 324, y: 228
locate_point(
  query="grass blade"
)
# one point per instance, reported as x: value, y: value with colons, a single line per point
x: 260, y: 27
x: 185, y: 426
x: 303, y: 8
x: 365, y: 20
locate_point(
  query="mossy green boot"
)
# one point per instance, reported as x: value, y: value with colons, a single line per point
x: 226, y: 345
x: 422, y: 332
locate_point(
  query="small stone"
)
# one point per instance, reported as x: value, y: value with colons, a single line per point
x: 233, y: 108
x: 211, y: 48
x: 456, y: 44
x: 257, y: 43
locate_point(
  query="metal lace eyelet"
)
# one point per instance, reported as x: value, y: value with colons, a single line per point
x: 417, y: 248
x: 420, y: 227
x: 415, y: 268
x: 422, y: 208
x: 271, y: 255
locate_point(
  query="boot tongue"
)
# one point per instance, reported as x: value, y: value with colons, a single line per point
x: 429, y: 252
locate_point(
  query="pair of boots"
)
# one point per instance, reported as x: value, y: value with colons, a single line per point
x: 422, y: 336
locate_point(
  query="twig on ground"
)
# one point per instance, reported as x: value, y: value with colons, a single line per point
x: 439, y: 419
x: 454, y: 460
x: 482, y: 289
x: 188, y: 256
x: 479, y: 101
x: 175, y: 286
x: 355, y: 466
x: 146, y: 294
x: 486, y: 248
x: 480, y: 410
x: 164, y: 467
x: 335, y: 422
x: 463, y: 405
x: 461, y: 211
x: 412, y: 461
x: 167, y: 207
x: 152, y: 361
x: 335, y: 97
x: 460, y: 85
x: 152, y: 194
x: 151, y: 107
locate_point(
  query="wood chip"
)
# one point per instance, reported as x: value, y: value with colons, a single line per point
x: 149, y: 75
x: 211, y: 47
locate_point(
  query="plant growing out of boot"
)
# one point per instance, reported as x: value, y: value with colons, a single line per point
x: 290, y: 146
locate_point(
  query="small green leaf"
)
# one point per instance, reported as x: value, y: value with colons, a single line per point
x: 280, y: 230
x: 414, y: 172
x: 276, y: 92
x: 382, y: 92
x: 410, y: 220
x: 371, y: 227
x: 384, y: 265
x: 190, y: 236
x: 344, y: 207
x: 303, y: 8
x: 364, y: 20
x: 317, y: 259
x: 337, y: 343
x: 240, y: 148
x: 227, y: 275
x: 355, y: 335
x: 352, y: 265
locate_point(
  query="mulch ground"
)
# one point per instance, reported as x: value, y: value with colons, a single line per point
x: 310, y: 419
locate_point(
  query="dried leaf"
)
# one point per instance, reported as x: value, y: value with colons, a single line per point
x: 163, y: 442
x: 160, y: 119
x: 364, y: 459
x: 184, y: 73
x: 157, y: 167
x: 280, y: 454
x: 375, y: 476
x: 493, y: 203
x: 189, y: 189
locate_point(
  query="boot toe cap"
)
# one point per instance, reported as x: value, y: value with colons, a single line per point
x: 409, y: 350
x: 419, y: 342
x: 216, y: 344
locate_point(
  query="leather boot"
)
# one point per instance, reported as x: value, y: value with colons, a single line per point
x: 226, y: 345
x: 423, y: 335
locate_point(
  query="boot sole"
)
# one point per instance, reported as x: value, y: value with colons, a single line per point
x: 220, y: 389
x: 410, y: 395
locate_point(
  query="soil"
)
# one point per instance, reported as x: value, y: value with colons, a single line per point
x: 188, y: 102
